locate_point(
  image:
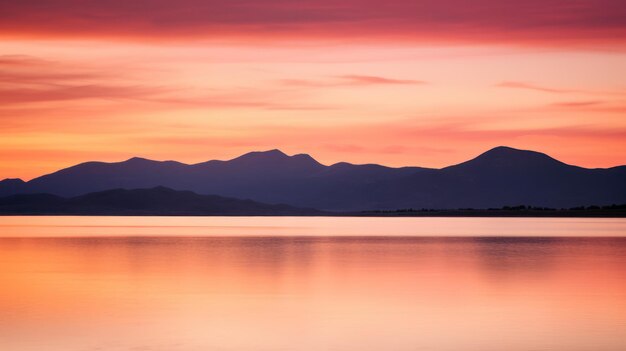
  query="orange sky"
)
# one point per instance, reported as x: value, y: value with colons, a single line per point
x: 425, y: 83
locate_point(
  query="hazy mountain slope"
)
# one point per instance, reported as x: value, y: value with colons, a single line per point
x: 155, y: 201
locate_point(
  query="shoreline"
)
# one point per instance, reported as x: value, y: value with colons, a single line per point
x: 365, y: 214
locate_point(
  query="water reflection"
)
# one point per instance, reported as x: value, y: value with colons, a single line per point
x: 312, y: 293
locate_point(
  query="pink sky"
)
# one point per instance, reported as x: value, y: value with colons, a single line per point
x: 404, y: 82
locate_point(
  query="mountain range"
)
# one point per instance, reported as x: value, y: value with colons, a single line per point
x: 502, y: 176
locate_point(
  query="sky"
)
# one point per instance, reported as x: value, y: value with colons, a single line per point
x: 398, y: 82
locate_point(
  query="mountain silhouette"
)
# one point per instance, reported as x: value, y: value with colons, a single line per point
x: 155, y: 201
x: 502, y: 176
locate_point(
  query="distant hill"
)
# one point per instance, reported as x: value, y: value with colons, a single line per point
x: 155, y: 201
x: 502, y: 176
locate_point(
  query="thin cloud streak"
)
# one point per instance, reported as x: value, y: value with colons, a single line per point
x: 374, y: 80
x: 12, y: 61
x: 349, y: 81
x: 575, y: 104
x: 37, y: 81
x: 545, y: 89
x: 528, y: 86
x: 158, y: 96
x: 75, y: 92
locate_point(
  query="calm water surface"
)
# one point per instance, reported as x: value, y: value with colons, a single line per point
x: 127, y: 283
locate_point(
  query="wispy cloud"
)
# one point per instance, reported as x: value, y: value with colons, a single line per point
x: 574, y: 104
x: 374, y: 80
x: 26, y: 80
x: 349, y: 80
x: 560, y: 90
x: 12, y: 61
x: 529, y: 86
x: 76, y: 92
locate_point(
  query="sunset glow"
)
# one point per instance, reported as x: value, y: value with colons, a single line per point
x: 401, y: 82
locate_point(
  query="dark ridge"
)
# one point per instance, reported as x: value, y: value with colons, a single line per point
x: 160, y: 201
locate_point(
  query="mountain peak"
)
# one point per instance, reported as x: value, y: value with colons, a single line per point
x: 508, y: 157
x: 14, y: 181
x: 276, y: 161
x: 269, y: 154
x: 136, y: 160
x: 503, y: 149
x: 509, y: 152
x: 305, y: 158
x: 274, y: 153
x: 11, y: 186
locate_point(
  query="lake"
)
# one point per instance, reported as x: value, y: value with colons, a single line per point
x: 312, y: 283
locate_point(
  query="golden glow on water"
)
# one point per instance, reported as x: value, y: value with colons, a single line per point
x: 125, y: 290
x: 72, y: 226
